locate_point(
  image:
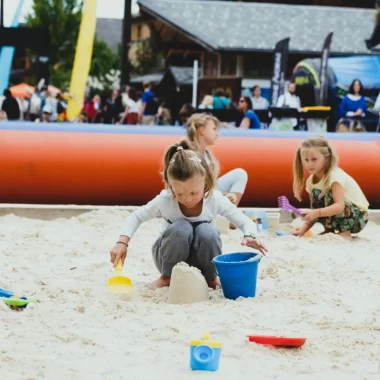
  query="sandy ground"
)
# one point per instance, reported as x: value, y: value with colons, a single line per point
x: 323, y: 288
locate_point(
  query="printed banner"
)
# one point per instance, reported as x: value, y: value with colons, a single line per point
x: 277, y: 85
x: 323, y: 72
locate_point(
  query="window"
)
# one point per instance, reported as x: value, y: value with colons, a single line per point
x: 228, y: 62
x: 210, y: 66
x: 139, y: 31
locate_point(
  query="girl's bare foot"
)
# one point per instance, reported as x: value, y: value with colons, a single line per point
x: 160, y: 283
x: 214, y: 283
x: 346, y: 235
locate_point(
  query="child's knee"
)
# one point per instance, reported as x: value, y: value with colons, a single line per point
x: 242, y: 174
x: 206, y: 231
x: 181, y: 229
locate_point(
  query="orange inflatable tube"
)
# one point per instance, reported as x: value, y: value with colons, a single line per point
x: 101, y: 168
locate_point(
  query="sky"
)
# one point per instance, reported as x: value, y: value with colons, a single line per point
x: 104, y: 10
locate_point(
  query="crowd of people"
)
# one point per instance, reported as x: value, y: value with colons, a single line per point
x: 134, y: 107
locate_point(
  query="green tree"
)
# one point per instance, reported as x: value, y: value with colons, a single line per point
x: 62, y: 18
x: 146, y: 60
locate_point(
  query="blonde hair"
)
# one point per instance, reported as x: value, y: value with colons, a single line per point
x: 322, y: 146
x: 194, y: 123
x: 182, y: 161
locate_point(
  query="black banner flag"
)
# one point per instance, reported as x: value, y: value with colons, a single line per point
x: 323, y: 72
x: 279, y: 69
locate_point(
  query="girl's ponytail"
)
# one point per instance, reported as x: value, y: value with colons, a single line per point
x: 298, y: 175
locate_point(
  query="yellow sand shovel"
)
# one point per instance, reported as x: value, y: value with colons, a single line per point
x: 119, y: 283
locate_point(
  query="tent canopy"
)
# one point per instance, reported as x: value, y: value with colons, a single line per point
x: 342, y: 71
x: 24, y: 90
x: 365, y: 68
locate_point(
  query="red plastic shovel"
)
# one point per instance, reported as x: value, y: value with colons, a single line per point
x: 277, y: 340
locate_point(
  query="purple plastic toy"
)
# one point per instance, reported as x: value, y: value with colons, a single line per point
x: 283, y: 204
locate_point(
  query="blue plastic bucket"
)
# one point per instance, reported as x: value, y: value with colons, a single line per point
x: 238, y: 273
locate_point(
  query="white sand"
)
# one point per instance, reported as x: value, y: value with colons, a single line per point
x: 325, y: 289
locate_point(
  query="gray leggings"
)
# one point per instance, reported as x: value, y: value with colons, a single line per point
x: 234, y: 181
x: 194, y: 243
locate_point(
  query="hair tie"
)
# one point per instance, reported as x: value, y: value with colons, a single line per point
x: 329, y: 148
x: 180, y: 147
x: 196, y: 159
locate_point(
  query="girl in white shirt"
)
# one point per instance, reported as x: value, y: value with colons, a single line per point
x: 189, y: 206
x: 202, y: 131
x: 337, y: 202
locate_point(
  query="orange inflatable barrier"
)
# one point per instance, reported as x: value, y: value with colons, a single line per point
x: 105, y: 167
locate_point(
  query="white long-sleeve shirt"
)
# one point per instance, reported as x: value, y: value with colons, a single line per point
x: 166, y: 206
x: 377, y: 104
x: 291, y: 101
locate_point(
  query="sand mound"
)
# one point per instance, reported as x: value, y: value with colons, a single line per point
x: 187, y: 285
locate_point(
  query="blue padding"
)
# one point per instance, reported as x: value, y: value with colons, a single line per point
x: 175, y: 131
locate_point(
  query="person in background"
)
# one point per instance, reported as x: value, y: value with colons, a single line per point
x: 10, y: 106
x: 353, y: 105
x: 250, y: 119
x: 221, y: 102
x: 185, y: 112
x: 61, y: 108
x: 111, y: 113
x: 207, y: 103
x: 94, y: 110
x: 47, y: 113
x: 258, y: 102
x: 139, y: 95
x: 164, y: 115
x: 3, y: 116
x: 131, y: 112
x: 149, y: 106
x: 36, y: 103
x: 290, y: 100
x: 376, y: 108
x: 52, y: 102
x: 124, y: 96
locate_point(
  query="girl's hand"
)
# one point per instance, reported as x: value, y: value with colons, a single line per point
x: 232, y: 197
x: 255, y: 244
x: 359, y: 112
x: 300, y: 231
x: 119, y: 251
x: 310, y: 215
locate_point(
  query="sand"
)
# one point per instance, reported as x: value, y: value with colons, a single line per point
x: 322, y: 288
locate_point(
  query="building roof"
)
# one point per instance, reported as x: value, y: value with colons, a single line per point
x: 223, y: 25
x: 109, y: 30
x: 154, y: 78
x: 182, y: 76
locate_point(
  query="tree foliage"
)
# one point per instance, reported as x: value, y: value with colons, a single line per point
x: 146, y: 60
x: 62, y: 18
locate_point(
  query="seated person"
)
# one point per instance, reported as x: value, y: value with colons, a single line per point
x: 221, y: 102
x: 258, y: 102
x: 353, y: 105
x: 250, y: 119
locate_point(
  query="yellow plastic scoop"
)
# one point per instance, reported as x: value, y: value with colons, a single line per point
x: 119, y: 283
